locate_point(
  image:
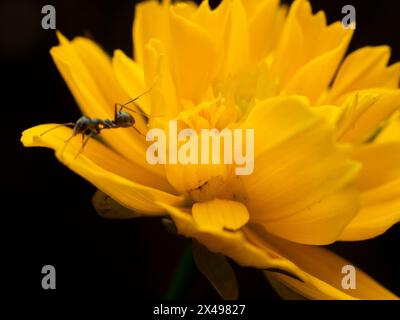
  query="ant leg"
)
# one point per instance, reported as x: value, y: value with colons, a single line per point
x: 115, y: 111
x: 137, y: 130
x: 65, y: 146
x: 57, y: 126
x: 85, y: 140
x: 70, y: 137
x: 120, y: 109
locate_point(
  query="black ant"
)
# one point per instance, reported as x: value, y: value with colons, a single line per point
x: 91, y: 127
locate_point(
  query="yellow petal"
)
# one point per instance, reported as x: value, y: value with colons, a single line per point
x: 309, y: 80
x: 190, y: 178
x: 352, y: 110
x: 283, y: 291
x: 379, y: 181
x: 365, y: 68
x: 236, y: 55
x: 88, y: 73
x: 191, y: 43
x: 215, y: 22
x: 380, y: 209
x: 220, y: 214
x: 109, y: 172
x: 319, y: 269
x: 381, y: 164
x: 368, y: 118
x: 150, y: 22
x: 391, y: 132
x: 265, y: 25
x: 131, y: 78
x: 316, y: 45
x: 297, y: 166
x: 320, y: 224
x: 158, y: 76
x: 251, y: 6
x: 323, y: 270
x: 232, y: 244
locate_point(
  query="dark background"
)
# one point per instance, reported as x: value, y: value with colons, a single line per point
x: 47, y: 213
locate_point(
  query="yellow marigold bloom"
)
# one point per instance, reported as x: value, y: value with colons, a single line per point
x: 322, y: 171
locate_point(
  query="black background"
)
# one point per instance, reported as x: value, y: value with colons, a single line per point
x: 47, y: 213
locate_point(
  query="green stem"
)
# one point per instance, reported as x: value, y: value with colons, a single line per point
x: 183, y: 275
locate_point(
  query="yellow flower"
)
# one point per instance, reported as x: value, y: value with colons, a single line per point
x: 327, y: 143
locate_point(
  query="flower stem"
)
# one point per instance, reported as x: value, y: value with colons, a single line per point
x: 183, y: 275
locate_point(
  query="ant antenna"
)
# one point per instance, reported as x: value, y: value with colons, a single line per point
x: 57, y: 126
x: 135, y: 111
x: 138, y: 97
x: 124, y: 106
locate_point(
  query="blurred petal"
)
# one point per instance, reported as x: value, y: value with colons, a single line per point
x: 374, y: 158
x: 265, y: 27
x: 323, y: 269
x: 150, y: 22
x: 190, y: 42
x: 232, y: 244
x: 237, y: 53
x: 216, y: 268
x: 316, y: 46
x: 391, y: 132
x: 365, y: 68
x: 309, y: 80
x: 380, y: 197
x: 283, y: 291
x: 102, y: 167
x: 131, y: 78
x: 380, y: 209
x: 368, y: 118
x: 158, y: 76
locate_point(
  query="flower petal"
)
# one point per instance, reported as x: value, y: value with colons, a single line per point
x: 220, y: 214
x: 380, y: 197
x: 190, y: 42
x: 316, y: 45
x: 374, y: 158
x: 391, y: 132
x: 158, y: 76
x: 309, y: 80
x: 131, y: 78
x: 323, y: 269
x: 150, y: 22
x: 322, y: 223
x: 297, y: 166
x: 105, y: 169
x: 370, y: 119
x: 232, y: 244
x: 83, y: 66
x: 380, y: 209
x: 236, y: 51
x: 265, y: 25
x: 318, y: 269
x: 365, y: 68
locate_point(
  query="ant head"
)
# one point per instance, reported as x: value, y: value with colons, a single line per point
x: 124, y: 119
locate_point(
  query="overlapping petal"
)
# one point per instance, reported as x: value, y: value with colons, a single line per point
x: 321, y: 195
x: 122, y: 180
x: 88, y: 73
